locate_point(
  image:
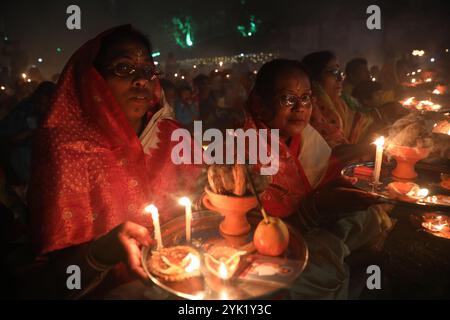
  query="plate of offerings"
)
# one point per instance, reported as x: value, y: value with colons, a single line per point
x: 427, y: 188
x: 218, y: 266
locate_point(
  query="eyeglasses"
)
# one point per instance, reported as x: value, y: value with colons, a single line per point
x: 124, y: 70
x: 291, y: 101
x: 337, y: 73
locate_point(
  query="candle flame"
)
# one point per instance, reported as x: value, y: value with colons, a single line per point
x: 184, y: 201
x: 379, y: 142
x: 422, y: 193
x: 152, y: 209
x: 194, y: 263
x: 408, y: 101
x: 223, y: 272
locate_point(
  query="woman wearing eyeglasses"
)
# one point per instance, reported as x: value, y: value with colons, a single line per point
x: 331, y: 116
x: 102, y: 155
x: 305, y: 190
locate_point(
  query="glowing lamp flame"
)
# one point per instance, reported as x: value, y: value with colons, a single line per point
x: 194, y: 263
x: 223, y: 272
x: 422, y: 193
x: 408, y: 101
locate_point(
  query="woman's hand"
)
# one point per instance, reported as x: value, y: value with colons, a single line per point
x: 123, y: 244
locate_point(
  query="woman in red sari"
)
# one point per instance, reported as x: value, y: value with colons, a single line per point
x: 103, y: 154
x: 332, y: 215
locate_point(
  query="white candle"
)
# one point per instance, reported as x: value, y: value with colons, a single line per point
x: 378, y: 159
x: 184, y: 201
x: 155, y: 217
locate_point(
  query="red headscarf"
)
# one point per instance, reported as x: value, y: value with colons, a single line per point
x: 90, y: 171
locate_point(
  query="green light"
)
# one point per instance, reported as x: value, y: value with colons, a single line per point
x: 58, y: 50
x: 188, y: 40
x: 250, y: 29
x: 156, y: 54
x: 6, y: 38
x: 183, y: 32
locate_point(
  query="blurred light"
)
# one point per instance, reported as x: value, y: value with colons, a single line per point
x: 156, y: 63
x: 58, y: 50
x: 432, y: 59
x: 418, y: 53
x: 2, y: 88
x: 182, y: 77
x: 40, y: 60
x: 428, y: 80
x: 24, y: 75
x: 419, y: 70
x: 413, y: 80
x: 156, y: 54
x: 216, y: 70
x: 407, y: 74
x: 28, y: 80
x: 228, y: 76
x: 221, y: 63
x: 241, y: 55
x: 176, y: 75
x: 374, y: 79
x: 255, y: 71
x: 249, y: 34
x: 195, y: 67
x: 6, y: 38
x: 446, y: 50
x: 413, y: 73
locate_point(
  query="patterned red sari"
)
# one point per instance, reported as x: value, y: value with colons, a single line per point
x: 90, y: 170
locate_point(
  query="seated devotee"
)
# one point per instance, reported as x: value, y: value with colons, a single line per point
x: 333, y: 216
x: 331, y: 116
x: 186, y: 112
x: 102, y: 154
x: 170, y: 91
x: 370, y: 95
x: 16, y: 131
x: 356, y: 71
x: 201, y: 89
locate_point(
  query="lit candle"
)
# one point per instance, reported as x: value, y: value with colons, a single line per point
x: 184, y: 201
x: 155, y: 217
x: 378, y: 159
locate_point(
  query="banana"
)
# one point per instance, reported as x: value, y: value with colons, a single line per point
x: 226, y: 176
x: 214, y: 180
x: 240, y: 180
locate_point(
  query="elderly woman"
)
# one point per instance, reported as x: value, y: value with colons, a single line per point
x: 305, y: 190
x: 331, y: 116
x: 102, y: 154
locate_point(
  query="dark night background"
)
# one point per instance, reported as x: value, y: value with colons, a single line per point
x: 288, y: 27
